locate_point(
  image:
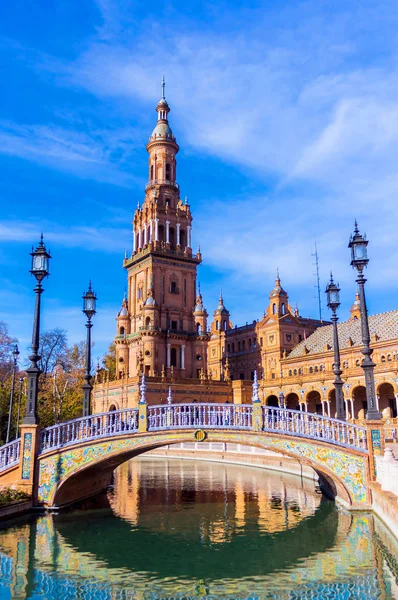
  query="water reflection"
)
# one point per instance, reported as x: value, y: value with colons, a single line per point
x: 181, y: 529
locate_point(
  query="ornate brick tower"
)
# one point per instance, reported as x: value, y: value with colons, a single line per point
x: 160, y: 330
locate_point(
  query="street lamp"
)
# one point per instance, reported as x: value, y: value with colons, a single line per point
x: 15, y: 355
x: 333, y: 302
x: 40, y: 263
x: 359, y: 260
x: 282, y: 400
x: 21, y: 380
x: 89, y: 302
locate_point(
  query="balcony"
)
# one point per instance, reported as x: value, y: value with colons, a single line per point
x: 162, y: 182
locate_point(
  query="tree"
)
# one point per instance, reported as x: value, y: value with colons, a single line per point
x: 109, y: 362
x: 6, y: 347
x: 53, y: 350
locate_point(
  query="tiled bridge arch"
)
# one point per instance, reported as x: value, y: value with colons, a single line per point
x: 76, y: 459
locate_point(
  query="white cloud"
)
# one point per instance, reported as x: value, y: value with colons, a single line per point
x: 106, y: 239
x: 86, y: 154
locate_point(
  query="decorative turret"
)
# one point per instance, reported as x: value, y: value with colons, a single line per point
x: 200, y: 314
x: 279, y: 300
x: 221, y: 316
x: 123, y: 318
x: 355, y: 309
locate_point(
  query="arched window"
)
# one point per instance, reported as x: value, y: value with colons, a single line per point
x: 239, y: 346
x: 182, y: 238
x: 389, y: 357
x: 147, y: 321
x: 357, y: 363
x: 274, y: 309
x: 121, y: 331
x: 295, y: 372
x: 198, y: 329
x: 217, y: 325
x: 173, y: 357
x: 233, y: 346
x: 283, y: 308
x: 225, y: 325
x: 229, y: 348
x: 151, y: 171
x: 290, y: 372
x: 311, y: 370
x: 250, y: 343
x: 316, y: 369
x: 243, y: 345
x: 300, y: 371
x: 383, y: 358
x: 168, y: 171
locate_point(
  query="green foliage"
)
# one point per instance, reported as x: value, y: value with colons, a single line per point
x: 8, y: 495
x: 109, y: 362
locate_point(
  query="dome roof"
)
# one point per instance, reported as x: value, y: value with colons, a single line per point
x: 162, y: 130
x: 163, y: 102
x: 150, y: 301
x: 221, y: 308
x: 278, y: 289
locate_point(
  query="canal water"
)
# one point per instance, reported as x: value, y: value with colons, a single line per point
x: 175, y: 529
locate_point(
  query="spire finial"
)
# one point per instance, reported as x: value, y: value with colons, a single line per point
x: 356, y: 230
x: 163, y: 86
x: 89, y: 286
x: 41, y: 240
x: 278, y: 279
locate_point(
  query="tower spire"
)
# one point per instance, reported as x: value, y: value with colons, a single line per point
x: 163, y: 88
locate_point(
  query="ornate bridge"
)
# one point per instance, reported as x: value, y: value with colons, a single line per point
x: 69, y: 461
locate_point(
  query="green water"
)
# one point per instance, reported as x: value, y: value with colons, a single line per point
x: 189, y: 529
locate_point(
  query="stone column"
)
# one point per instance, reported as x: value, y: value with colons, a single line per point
x: 396, y: 402
x: 30, y: 436
x: 151, y: 231
x: 145, y: 235
x: 156, y: 230
x: 352, y: 408
x: 168, y: 356
x: 183, y: 356
x: 139, y: 238
x: 167, y: 232
x: 376, y: 444
x: 178, y: 233
x: 188, y: 236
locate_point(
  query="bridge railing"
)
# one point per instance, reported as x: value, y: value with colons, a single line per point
x: 9, y: 454
x: 217, y: 416
x: 89, y: 428
x: 310, y: 425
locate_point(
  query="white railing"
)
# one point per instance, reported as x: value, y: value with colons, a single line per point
x: 9, y: 454
x: 318, y: 427
x: 387, y: 471
x: 192, y: 416
x: 89, y: 428
x: 216, y: 416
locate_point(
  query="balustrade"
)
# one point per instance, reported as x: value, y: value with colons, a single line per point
x: 89, y: 428
x: 217, y: 416
x: 9, y: 454
x: 191, y: 416
x: 303, y: 424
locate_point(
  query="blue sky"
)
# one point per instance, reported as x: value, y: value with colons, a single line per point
x: 286, y: 114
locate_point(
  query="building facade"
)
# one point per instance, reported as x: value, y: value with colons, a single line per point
x: 162, y: 330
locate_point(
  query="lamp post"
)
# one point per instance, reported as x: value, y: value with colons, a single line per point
x: 333, y: 301
x: 40, y: 262
x: 282, y: 400
x: 19, y: 406
x: 359, y: 260
x: 15, y: 354
x: 89, y: 302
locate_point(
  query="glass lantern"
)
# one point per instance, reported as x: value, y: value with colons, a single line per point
x: 89, y: 302
x: 40, y: 261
